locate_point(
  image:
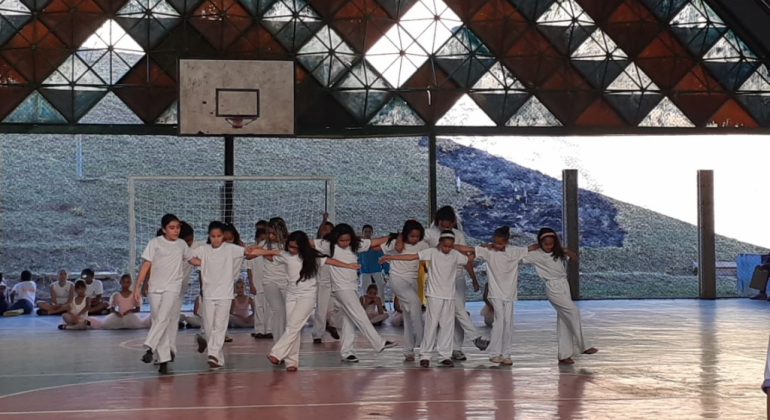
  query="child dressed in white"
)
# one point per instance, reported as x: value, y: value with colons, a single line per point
x: 325, y: 304
x: 255, y: 270
x: 403, y: 281
x: 549, y: 261
x: 77, y: 316
x: 240, y: 317
x: 440, y: 293
x: 124, y: 310
x: 302, y: 265
x: 503, y: 274
x: 274, y: 277
x: 62, y: 293
x: 165, y: 255
x: 343, y: 245
x: 220, y: 263
x: 446, y: 219
x: 187, y: 234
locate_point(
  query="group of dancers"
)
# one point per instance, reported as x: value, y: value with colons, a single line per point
x: 299, y: 274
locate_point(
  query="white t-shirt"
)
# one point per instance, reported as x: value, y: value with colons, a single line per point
x: 188, y: 268
x: 273, y: 272
x: 25, y: 290
x: 502, y: 270
x: 62, y: 292
x: 168, y: 259
x: 545, y: 266
x: 441, y: 282
x: 404, y: 269
x: 219, y: 268
x: 94, y: 289
x: 342, y: 278
x: 432, y: 236
x: 306, y: 288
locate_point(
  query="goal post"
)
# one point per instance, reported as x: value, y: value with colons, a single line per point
x: 300, y: 200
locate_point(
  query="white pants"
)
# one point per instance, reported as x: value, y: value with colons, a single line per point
x: 405, y: 289
x: 366, y: 280
x: 439, y: 325
x: 463, y: 324
x: 263, y: 316
x: 164, y: 324
x: 238, y: 322
x: 353, y: 317
x: 569, y: 331
x: 276, y: 300
x: 129, y: 321
x: 298, y: 311
x: 323, y: 299
x: 502, y: 328
x: 195, y: 321
x: 177, y: 311
x: 215, y: 326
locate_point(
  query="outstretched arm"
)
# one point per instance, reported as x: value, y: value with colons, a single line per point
x: 533, y: 247
x: 323, y: 222
x: 402, y: 257
x: 465, y: 249
x: 572, y: 256
x: 255, y: 251
x: 195, y: 261
x: 399, y: 247
x: 379, y: 241
x: 469, y: 269
x: 337, y: 263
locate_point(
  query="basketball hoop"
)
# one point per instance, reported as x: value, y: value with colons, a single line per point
x: 239, y: 122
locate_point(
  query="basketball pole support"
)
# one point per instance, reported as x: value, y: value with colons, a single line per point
x: 227, y: 196
x: 432, y: 177
x: 571, y: 227
x: 707, y: 276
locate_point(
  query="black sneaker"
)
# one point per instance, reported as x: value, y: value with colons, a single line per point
x: 425, y: 363
x: 481, y: 343
x: 202, y: 344
x: 268, y: 336
x: 447, y: 363
x: 163, y: 369
x: 351, y: 359
x: 182, y: 325
x: 317, y: 341
x: 41, y: 312
x: 147, y: 358
x: 758, y: 296
x: 173, y: 357
x: 459, y: 355
x: 389, y: 345
x: 333, y: 332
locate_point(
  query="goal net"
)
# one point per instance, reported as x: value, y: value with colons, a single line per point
x: 300, y: 201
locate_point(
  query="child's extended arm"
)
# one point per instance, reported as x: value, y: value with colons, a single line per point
x: 337, y: 263
x: 486, y: 295
x: 572, y: 256
x: 255, y: 251
x: 465, y: 249
x: 252, y: 287
x: 195, y: 261
x: 469, y: 268
x: 321, y: 226
x: 143, y: 272
x: 402, y: 257
x: 196, y: 306
x: 380, y: 309
x: 533, y: 247
x: 379, y: 241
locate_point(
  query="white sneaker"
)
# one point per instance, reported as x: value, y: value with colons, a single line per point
x: 15, y: 312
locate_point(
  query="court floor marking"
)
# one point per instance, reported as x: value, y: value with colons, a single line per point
x: 343, y: 404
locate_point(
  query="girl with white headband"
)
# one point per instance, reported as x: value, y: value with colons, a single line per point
x: 550, y: 261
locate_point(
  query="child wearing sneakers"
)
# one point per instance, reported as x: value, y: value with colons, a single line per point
x: 440, y: 293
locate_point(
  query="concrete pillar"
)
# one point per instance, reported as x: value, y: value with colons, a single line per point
x: 571, y: 227
x: 707, y: 276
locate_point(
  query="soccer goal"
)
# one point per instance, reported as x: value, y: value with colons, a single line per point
x: 300, y: 201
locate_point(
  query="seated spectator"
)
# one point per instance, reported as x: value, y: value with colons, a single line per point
x: 4, y: 304
x: 22, y: 296
x: 760, y: 277
x: 62, y: 293
x: 239, y: 309
x: 95, y: 290
x: 76, y: 318
x: 194, y: 320
x: 373, y: 306
x: 124, y: 310
x: 397, y: 320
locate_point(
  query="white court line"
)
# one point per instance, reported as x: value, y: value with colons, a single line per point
x: 345, y: 404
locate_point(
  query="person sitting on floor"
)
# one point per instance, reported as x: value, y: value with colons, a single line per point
x: 22, y: 296
x: 373, y: 306
x: 77, y: 316
x: 4, y: 304
x: 95, y: 290
x: 239, y: 309
x: 125, y: 310
x: 62, y: 293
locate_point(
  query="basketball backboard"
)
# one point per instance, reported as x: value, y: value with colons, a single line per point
x: 236, y: 97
